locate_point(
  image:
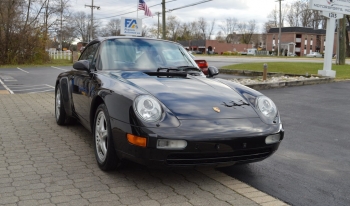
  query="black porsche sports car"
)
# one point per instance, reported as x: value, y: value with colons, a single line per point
x: 147, y: 101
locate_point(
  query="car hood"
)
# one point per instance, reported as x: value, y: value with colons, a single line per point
x: 192, y: 97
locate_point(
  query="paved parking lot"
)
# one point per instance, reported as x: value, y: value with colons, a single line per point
x: 42, y: 163
x: 29, y: 80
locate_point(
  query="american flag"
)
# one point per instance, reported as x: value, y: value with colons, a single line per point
x: 143, y: 6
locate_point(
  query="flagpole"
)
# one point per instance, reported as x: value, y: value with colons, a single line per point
x: 137, y: 12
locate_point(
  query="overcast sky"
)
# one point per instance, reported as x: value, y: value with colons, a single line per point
x: 243, y: 10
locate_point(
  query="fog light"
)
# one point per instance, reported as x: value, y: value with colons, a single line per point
x: 273, y: 138
x: 171, y: 144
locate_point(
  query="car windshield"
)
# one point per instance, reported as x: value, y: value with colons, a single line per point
x: 142, y: 54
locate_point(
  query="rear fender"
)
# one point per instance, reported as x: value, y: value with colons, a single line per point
x: 66, y: 95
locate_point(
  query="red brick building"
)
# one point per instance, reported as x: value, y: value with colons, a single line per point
x: 306, y: 40
x: 214, y: 46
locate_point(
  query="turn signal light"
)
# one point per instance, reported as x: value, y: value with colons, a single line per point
x: 136, y: 140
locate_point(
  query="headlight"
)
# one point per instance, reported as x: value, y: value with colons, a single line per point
x: 267, y: 107
x: 147, y: 108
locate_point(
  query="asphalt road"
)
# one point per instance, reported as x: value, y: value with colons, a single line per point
x: 30, y: 80
x: 312, y: 165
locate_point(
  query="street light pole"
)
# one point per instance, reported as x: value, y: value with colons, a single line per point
x: 163, y: 20
x: 92, y: 18
x: 279, y: 31
x: 158, y: 13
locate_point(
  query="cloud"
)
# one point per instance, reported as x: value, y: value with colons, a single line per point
x: 243, y: 10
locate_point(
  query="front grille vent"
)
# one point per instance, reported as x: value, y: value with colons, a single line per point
x: 212, y: 158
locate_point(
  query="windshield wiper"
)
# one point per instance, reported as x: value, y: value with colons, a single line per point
x: 189, y: 68
x: 180, y: 71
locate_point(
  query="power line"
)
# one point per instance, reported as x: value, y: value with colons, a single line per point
x: 189, y: 5
x: 132, y: 11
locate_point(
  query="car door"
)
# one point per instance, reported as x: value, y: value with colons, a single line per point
x: 82, y: 83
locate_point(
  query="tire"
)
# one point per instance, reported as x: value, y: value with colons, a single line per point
x: 103, y: 140
x: 60, y: 112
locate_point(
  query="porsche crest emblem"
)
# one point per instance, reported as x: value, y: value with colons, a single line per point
x: 216, y: 109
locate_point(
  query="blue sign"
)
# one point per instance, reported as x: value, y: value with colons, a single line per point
x: 131, y: 26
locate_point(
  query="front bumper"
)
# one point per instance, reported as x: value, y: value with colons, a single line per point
x: 214, y: 146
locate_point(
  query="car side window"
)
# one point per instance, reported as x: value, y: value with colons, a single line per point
x: 89, y: 54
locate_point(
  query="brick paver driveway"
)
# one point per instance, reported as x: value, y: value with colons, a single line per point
x: 42, y: 163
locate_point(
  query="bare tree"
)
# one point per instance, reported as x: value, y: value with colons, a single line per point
x: 210, y: 29
x: 173, y: 26
x: 228, y: 28
x: 81, y: 23
x: 273, y: 18
x: 246, y: 30
x: 194, y: 30
x: 203, y: 26
x: 220, y: 36
x: 185, y: 32
x: 112, y: 28
x: 145, y: 31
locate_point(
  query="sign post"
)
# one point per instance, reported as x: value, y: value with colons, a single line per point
x: 328, y: 55
x: 332, y: 9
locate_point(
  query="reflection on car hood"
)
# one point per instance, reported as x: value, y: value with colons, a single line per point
x: 192, y: 97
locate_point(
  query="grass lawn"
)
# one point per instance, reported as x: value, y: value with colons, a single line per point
x: 54, y: 62
x: 343, y: 71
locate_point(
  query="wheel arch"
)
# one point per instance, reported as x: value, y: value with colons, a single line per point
x: 94, y: 104
x: 65, y: 91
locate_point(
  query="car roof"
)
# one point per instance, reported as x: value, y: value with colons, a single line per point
x: 101, y: 39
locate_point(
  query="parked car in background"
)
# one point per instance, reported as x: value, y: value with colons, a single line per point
x: 147, y: 101
x: 314, y: 54
x: 203, y: 65
x: 199, y: 52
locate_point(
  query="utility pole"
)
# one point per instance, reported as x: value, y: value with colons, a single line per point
x: 342, y: 45
x: 279, y: 31
x: 61, y: 39
x: 92, y: 17
x: 163, y: 20
x: 46, y: 13
x: 158, y: 13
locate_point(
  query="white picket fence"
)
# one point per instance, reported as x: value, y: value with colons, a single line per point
x: 60, y: 55
x: 262, y: 53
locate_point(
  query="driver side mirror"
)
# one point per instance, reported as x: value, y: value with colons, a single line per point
x: 82, y: 65
x: 212, y: 71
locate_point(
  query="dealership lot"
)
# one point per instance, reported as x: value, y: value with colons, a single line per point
x: 29, y: 80
x: 42, y: 163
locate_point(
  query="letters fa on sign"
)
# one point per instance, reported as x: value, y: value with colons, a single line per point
x: 131, y: 23
x: 131, y: 26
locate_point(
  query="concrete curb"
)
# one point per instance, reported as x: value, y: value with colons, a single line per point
x: 272, y: 85
x: 250, y: 73
x: 243, y: 189
x: 265, y: 85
